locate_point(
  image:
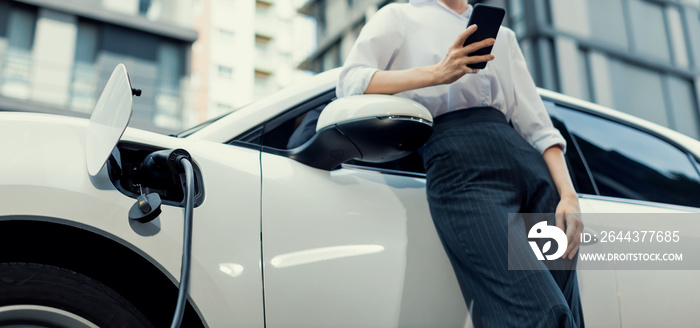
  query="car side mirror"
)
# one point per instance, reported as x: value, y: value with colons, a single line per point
x: 370, y: 128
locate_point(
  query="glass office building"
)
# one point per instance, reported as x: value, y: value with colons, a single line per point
x: 641, y: 57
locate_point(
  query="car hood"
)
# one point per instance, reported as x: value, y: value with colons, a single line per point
x: 30, y: 121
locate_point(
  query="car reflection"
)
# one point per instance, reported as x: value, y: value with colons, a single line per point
x: 232, y: 269
x: 323, y: 254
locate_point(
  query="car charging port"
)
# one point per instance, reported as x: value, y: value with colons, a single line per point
x: 136, y: 169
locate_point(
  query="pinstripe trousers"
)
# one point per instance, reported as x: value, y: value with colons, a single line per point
x: 479, y: 169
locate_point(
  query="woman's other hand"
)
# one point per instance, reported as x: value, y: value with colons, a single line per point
x: 568, y: 219
x: 454, y: 65
x: 568, y: 213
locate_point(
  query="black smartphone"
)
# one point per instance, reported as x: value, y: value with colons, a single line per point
x: 488, y: 19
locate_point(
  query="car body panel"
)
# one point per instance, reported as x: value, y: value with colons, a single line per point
x: 645, y: 294
x: 603, y: 302
x: 337, y: 251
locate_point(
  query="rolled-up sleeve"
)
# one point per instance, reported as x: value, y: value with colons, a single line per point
x: 374, y: 50
x: 529, y: 116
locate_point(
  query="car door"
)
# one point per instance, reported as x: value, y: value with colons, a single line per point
x: 636, y: 171
x: 350, y: 247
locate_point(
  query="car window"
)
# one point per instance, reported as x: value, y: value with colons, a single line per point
x: 580, y: 175
x: 628, y: 163
x: 295, y: 126
x: 294, y: 131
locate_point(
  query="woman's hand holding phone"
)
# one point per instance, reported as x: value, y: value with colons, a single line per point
x: 451, y: 68
x: 454, y: 65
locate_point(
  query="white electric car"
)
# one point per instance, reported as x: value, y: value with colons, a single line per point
x: 300, y: 220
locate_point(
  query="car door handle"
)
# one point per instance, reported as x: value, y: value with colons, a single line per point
x: 589, y: 237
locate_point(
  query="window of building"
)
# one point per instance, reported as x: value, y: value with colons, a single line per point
x: 4, y: 17
x: 629, y: 163
x: 584, y: 71
x: 543, y: 57
x: 602, y: 20
x: 683, y: 107
x: 600, y: 80
x: 638, y: 91
x: 168, y: 112
x: 150, y: 8
x: 695, y: 3
x: 607, y: 22
x: 228, y: 34
x: 677, y: 37
x: 16, y: 77
x: 225, y: 72
x: 649, y: 29
x: 320, y: 15
x: 262, y: 39
x: 85, y: 78
x: 262, y: 45
x: 516, y: 14
x: 144, y: 5
x: 263, y: 82
x: 261, y: 74
x: 263, y: 4
x: 331, y: 58
x: 692, y: 20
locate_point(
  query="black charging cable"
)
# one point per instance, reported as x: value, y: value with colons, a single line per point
x: 186, y: 244
x: 157, y: 168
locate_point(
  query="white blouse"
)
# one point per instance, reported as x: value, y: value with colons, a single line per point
x: 419, y: 33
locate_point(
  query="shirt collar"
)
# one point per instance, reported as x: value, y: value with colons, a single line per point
x: 466, y: 14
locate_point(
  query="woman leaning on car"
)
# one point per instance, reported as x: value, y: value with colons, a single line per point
x: 479, y: 168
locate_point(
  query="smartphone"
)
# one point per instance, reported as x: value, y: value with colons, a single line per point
x: 488, y: 19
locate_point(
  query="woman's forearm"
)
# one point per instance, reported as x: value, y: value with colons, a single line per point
x: 391, y: 82
x: 568, y: 217
x: 554, y: 157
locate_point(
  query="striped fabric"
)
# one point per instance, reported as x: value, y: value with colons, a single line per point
x: 479, y: 169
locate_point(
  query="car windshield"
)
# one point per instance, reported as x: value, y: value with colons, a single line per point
x: 188, y: 132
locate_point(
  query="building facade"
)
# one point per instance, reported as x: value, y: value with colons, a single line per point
x: 246, y: 50
x: 56, y: 56
x: 338, y: 23
x: 637, y: 56
x: 193, y: 59
x: 641, y: 57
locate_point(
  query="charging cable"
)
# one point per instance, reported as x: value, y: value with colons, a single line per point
x: 186, y: 244
x: 160, y: 165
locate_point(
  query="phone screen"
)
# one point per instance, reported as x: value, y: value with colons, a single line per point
x: 488, y: 19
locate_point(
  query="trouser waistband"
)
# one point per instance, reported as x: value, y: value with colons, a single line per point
x: 469, y: 115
